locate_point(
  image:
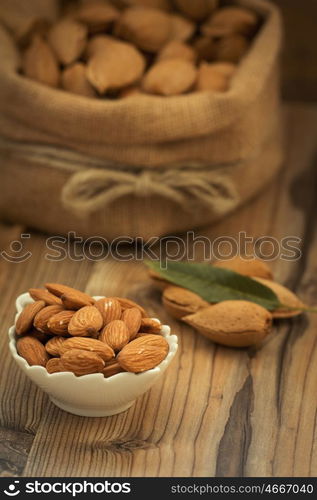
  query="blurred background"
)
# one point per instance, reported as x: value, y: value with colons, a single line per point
x: 300, y: 49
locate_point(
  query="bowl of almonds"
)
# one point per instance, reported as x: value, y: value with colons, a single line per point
x: 93, y: 356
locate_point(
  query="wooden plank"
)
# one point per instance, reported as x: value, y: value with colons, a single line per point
x: 218, y: 411
x: 14, y: 450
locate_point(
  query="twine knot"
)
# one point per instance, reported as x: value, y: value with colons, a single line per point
x: 92, y: 190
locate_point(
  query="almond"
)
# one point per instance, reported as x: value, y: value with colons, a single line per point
x: 180, y: 302
x: 131, y: 91
x: 59, y: 290
x: 75, y: 300
x: 231, y: 48
x: 42, y: 317
x: 53, y: 346
x: 98, y: 16
x: 132, y: 318
x: 143, y: 354
x: 110, y: 309
x: 112, y: 368
x: 196, y: 9
x: 82, y: 362
x: 206, y: 49
x: 248, y: 267
x: 181, y: 29
x: 177, y: 50
x: 58, y: 323
x: 32, y: 350
x: 74, y: 80
x: 40, y: 64
x: 170, y: 77
x: 42, y: 337
x: 214, y: 77
x: 45, y: 295
x: 54, y: 365
x: 118, y: 65
x: 235, y: 323
x: 149, y: 325
x: 128, y: 303
x: 286, y: 297
x: 85, y: 322
x: 26, y: 317
x: 147, y: 28
x: 87, y: 344
x: 115, y: 334
x: 68, y: 39
x: 230, y: 21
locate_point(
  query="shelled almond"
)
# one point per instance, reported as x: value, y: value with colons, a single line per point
x: 113, y: 48
x: 85, y: 336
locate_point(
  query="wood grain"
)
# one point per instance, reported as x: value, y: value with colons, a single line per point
x: 218, y: 411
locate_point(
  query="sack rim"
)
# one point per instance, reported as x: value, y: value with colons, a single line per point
x: 143, y: 111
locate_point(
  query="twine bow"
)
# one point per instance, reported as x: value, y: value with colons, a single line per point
x: 95, y: 189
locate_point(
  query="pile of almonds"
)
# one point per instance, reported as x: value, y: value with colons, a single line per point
x: 235, y: 323
x: 124, y: 48
x: 65, y: 329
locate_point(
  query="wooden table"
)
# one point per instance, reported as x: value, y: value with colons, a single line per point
x: 218, y: 411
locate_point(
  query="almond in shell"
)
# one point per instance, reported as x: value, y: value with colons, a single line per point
x: 177, y: 50
x: 74, y: 80
x: 147, y: 28
x: 54, y: 345
x: 215, y: 77
x: 39, y: 63
x: 235, y: 323
x: 45, y: 295
x: 230, y: 21
x: 26, y: 317
x: 82, y: 362
x: 286, y: 297
x: 115, y: 334
x: 143, y: 354
x: 85, y: 322
x: 32, y: 350
x: 42, y: 317
x: 118, y: 65
x: 158, y: 280
x: 182, y: 29
x: 180, y: 302
x: 110, y: 309
x: 97, y: 15
x: 196, y: 9
x: 132, y: 318
x: 248, y: 267
x: 88, y: 344
x: 68, y: 39
x: 231, y: 48
x: 58, y: 323
x: 170, y: 77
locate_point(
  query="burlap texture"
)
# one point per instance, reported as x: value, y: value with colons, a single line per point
x: 230, y: 140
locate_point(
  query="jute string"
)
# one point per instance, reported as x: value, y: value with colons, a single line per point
x: 94, y: 189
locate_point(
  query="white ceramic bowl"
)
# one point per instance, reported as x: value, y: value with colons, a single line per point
x: 91, y: 395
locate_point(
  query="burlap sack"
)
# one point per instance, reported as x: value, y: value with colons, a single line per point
x: 143, y: 166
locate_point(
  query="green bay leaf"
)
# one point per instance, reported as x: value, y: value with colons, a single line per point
x: 215, y: 284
